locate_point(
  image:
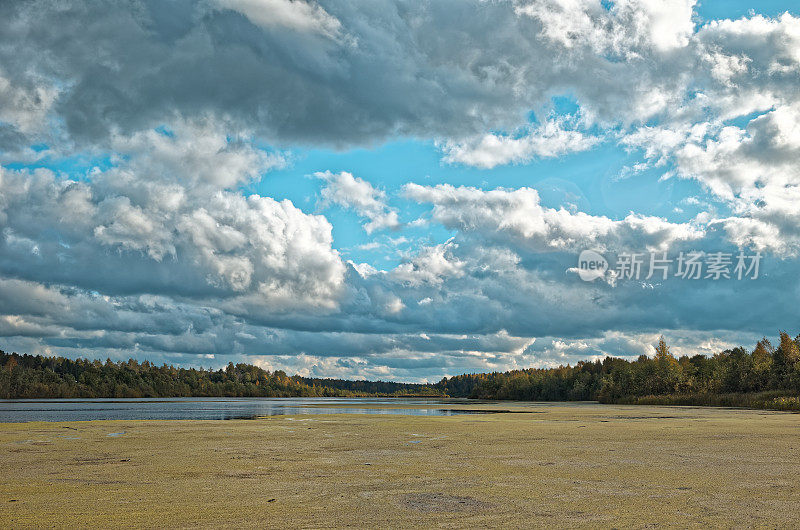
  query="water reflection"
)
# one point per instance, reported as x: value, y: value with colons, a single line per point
x: 219, y: 408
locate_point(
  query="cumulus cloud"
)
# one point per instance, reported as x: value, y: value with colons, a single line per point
x: 547, y: 141
x: 25, y: 107
x: 297, y: 15
x: 430, y: 266
x: 164, y: 251
x: 553, y: 352
x: 169, y: 234
x: 751, y: 168
x: 251, y: 62
x: 517, y: 214
x: 623, y: 63
x: 347, y: 191
x: 196, y: 152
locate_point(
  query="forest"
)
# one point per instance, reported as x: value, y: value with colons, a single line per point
x: 30, y: 377
x: 766, y: 377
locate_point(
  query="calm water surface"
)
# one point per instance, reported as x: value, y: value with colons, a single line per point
x: 215, y: 408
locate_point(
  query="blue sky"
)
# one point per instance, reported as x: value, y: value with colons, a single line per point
x: 395, y: 190
x: 591, y: 181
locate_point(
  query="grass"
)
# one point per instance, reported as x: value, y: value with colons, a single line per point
x: 770, y: 400
x: 578, y: 465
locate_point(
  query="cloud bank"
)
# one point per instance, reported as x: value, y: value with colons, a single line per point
x: 158, y: 247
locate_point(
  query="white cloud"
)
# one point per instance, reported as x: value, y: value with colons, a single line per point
x: 622, y: 28
x: 26, y: 107
x: 298, y: 15
x: 154, y: 219
x: 432, y: 265
x: 194, y: 151
x: 490, y: 150
x: 357, y: 194
x: 752, y: 169
x: 517, y: 214
x: 165, y: 256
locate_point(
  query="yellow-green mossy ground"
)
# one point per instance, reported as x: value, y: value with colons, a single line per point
x: 541, y: 465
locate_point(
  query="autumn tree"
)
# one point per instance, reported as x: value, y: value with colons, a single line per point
x: 662, y: 350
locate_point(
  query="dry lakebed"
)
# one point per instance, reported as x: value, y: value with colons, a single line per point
x: 521, y: 464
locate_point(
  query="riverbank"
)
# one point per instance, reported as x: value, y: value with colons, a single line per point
x: 568, y: 464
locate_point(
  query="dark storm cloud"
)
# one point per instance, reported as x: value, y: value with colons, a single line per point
x: 394, y: 69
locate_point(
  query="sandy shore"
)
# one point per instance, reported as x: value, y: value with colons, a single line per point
x: 542, y: 465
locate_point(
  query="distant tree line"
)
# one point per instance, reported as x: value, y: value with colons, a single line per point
x: 372, y: 388
x: 766, y: 377
x: 29, y: 376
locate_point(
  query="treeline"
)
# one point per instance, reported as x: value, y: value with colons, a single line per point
x: 374, y: 388
x: 766, y: 377
x: 581, y: 382
x: 29, y: 376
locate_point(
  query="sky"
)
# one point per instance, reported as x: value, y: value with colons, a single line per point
x: 397, y: 190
